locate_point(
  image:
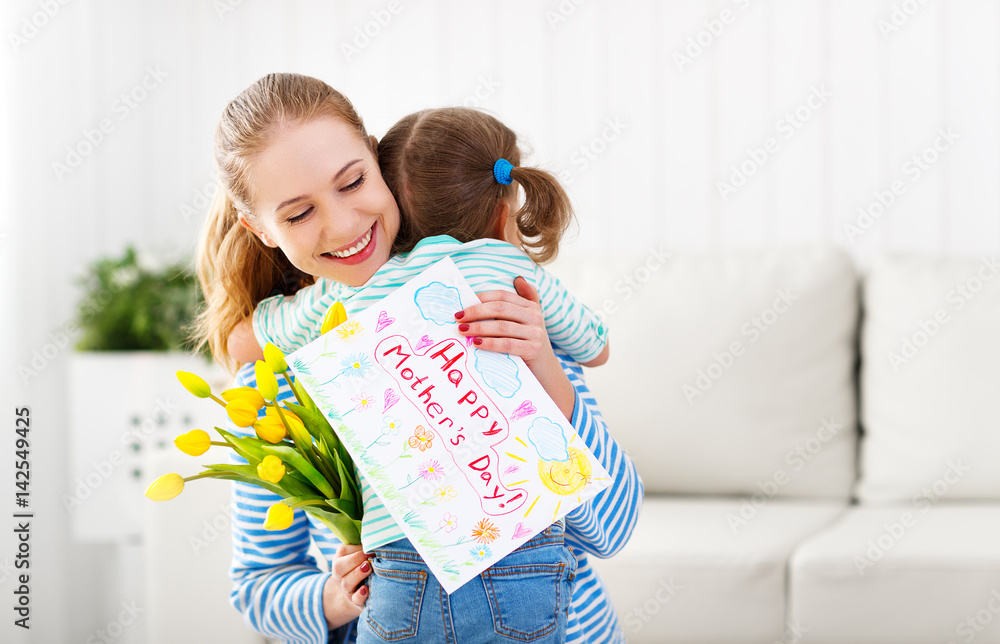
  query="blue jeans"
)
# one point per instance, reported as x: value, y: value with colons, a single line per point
x: 524, y: 597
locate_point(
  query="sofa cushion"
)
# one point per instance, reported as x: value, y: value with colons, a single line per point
x: 930, y: 382
x: 688, y: 576
x: 902, y: 573
x: 730, y: 373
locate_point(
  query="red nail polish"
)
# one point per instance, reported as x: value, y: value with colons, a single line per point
x: 477, y: 341
x: 365, y: 567
x: 364, y: 590
x: 460, y: 315
x: 463, y: 327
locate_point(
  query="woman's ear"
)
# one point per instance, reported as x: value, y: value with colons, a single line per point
x: 373, y: 144
x: 259, y: 234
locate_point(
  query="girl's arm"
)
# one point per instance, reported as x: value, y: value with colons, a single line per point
x: 571, y: 326
x: 242, y: 344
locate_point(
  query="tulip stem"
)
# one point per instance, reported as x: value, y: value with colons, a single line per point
x: 293, y: 385
x: 223, y: 443
x: 216, y: 399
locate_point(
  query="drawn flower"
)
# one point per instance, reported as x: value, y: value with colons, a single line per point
x: 485, y: 531
x: 355, y: 365
x: 390, y: 426
x: 449, y: 522
x: 421, y: 438
x: 445, y: 493
x: 363, y: 402
x: 431, y: 470
x: 350, y: 331
x: 482, y: 553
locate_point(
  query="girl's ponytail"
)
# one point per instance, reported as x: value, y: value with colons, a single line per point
x: 236, y: 271
x: 545, y: 215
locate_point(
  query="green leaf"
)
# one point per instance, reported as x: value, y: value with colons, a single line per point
x: 299, y: 462
x: 285, y: 487
x: 346, y: 529
x: 246, y: 447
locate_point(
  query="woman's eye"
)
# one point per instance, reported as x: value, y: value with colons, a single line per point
x: 297, y: 218
x: 356, y: 184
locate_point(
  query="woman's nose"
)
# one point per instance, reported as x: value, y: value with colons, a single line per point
x: 340, y: 225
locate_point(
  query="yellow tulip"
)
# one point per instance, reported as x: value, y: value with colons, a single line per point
x: 194, y: 443
x: 248, y: 394
x: 333, y: 318
x: 271, y: 468
x: 241, y: 412
x: 275, y: 358
x: 279, y: 517
x: 195, y: 384
x: 295, y: 425
x: 165, y: 488
x: 270, y: 428
x: 266, y: 382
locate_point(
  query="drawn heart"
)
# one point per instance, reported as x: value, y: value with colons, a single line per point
x: 423, y: 343
x: 383, y: 321
x: 390, y: 399
x: 520, y: 531
x: 524, y: 409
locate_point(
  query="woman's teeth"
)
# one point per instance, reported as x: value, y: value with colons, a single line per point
x: 357, y: 248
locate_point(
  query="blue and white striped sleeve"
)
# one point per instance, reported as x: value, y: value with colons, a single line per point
x: 571, y: 326
x: 603, y: 525
x: 277, y: 585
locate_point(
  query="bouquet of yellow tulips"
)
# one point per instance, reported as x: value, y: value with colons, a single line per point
x: 295, y: 452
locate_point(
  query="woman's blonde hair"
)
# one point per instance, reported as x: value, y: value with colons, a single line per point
x: 439, y: 165
x: 235, y: 269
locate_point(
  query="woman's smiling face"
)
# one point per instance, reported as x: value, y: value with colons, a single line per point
x: 319, y: 196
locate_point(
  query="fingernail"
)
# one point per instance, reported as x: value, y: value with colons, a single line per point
x: 477, y: 341
x: 364, y: 590
x: 365, y: 567
x: 460, y: 315
x: 463, y: 327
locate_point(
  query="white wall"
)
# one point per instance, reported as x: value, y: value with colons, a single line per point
x: 558, y: 71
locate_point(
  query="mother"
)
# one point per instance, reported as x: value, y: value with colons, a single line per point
x: 267, y: 145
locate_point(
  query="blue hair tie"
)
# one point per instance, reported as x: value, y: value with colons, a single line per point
x: 501, y: 171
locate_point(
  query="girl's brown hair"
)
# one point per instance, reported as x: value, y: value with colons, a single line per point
x: 439, y: 165
x: 235, y: 269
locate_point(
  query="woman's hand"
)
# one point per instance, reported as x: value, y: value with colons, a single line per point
x: 513, y: 323
x: 345, y: 593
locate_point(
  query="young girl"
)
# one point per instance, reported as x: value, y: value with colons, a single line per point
x: 297, y: 207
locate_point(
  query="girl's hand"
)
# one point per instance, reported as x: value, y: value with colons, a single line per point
x: 345, y: 593
x: 513, y: 323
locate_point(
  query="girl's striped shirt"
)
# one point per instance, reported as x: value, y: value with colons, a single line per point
x: 291, y: 322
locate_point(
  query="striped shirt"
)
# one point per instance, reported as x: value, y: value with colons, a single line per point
x: 278, y: 586
x: 290, y: 322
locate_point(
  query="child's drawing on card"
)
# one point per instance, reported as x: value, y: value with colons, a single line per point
x: 463, y: 446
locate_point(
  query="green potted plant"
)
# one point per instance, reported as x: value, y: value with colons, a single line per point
x: 132, y: 319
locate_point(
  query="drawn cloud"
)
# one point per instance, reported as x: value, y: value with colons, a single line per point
x: 438, y: 303
x: 549, y: 440
x: 499, y: 372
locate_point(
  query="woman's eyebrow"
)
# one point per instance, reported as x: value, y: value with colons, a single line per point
x: 340, y: 173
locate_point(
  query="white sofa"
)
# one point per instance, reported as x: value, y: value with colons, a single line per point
x: 769, y: 517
